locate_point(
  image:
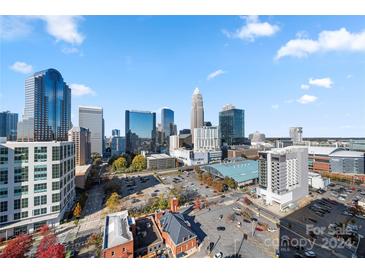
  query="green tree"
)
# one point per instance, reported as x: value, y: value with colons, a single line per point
x: 139, y: 162
x: 113, y: 202
x: 230, y: 182
x: 97, y: 162
x: 119, y: 164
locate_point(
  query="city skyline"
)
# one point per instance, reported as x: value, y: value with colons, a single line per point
x: 312, y: 73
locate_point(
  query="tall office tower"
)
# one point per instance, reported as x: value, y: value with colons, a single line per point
x: 92, y: 118
x: 115, y: 132
x: 197, y: 111
x: 206, y: 138
x: 296, y: 134
x: 81, y: 137
x: 174, y: 142
x: 37, y: 185
x: 8, y: 125
x: 47, y: 111
x: 140, y: 131
x: 283, y: 175
x: 117, y: 145
x: 167, y: 122
x: 232, y: 125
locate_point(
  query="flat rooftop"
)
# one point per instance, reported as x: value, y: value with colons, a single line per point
x: 117, y: 229
x: 147, y: 233
x: 159, y: 156
x: 82, y: 170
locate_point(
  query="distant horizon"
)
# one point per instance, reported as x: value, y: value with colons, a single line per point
x: 283, y: 71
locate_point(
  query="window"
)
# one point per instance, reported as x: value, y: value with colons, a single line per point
x: 20, y: 190
x: 16, y: 216
x: 43, y: 210
x: 3, y: 219
x: 56, y: 197
x: 16, y: 204
x: 3, y: 176
x: 55, y: 208
x: 3, y: 206
x: 40, y: 187
x: 43, y: 199
x: 3, y: 192
x: 40, y: 154
x: 36, y: 212
x: 55, y: 185
x: 56, y: 154
x: 56, y: 171
x: 24, y: 214
x: 20, y: 174
x: 37, y: 201
x: 40, y: 173
x: 3, y: 155
x: 21, y: 155
x: 24, y: 203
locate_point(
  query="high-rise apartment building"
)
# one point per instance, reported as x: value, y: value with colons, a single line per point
x: 232, y: 125
x: 81, y: 138
x: 8, y: 125
x: 206, y: 138
x: 47, y: 111
x: 296, y: 134
x: 140, y: 131
x: 197, y: 111
x: 115, y: 132
x: 283, y: 175
x: 37, y: 185
x: 92, y: 118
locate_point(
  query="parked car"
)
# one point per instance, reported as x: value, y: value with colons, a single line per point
x: 310, y: 254
x: 272, y: 229
x: 221, y: 228
x: 298, y: 255
x: 218, y: 255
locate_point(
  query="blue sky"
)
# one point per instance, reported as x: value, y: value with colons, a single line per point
x: 284, y: 71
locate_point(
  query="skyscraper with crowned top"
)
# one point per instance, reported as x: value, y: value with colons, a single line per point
x: 197, y: 111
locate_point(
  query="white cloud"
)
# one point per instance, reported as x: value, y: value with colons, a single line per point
x: 21, y: 67
x: 215, y: 74
x: 321, y: 82
x: 336, y: 40
x: 253, y: 29
x: 306, y: 99
x: 304, y: 87
x: 64, y: 28
x: 81, y: 90
x: 275, y: 106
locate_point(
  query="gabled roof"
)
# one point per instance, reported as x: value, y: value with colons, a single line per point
x: 177, y: 227
x: 117, y: 229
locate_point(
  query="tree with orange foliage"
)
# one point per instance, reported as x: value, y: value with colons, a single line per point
x: 49, y: 248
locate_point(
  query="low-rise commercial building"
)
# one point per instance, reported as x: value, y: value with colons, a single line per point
x: 37, y: 185
x: 81, y: 174
x: 160, y: 161
x: 118, y: 236
x: 316, y: 181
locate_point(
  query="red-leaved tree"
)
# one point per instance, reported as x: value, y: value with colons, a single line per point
x: 17, y: 247
x: 49, y: 248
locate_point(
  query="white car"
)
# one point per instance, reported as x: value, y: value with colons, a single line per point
x: 218, y: 255
x: 310, y: 254
x: 271, y: 229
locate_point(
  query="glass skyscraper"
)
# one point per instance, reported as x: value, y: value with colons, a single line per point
x: 47, y: 111
x: 232, y: 125
x: 167, y: 121
x: 8, y: 125
x: 140, y: 131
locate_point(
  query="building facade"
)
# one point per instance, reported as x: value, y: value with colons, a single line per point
x: 8, y: 125
x: 197, y: 111
x: 36, y: 185
x: 206, y: 138
x: 160, y: 161
x: 174, y: 142
x: 296, y: 134
x: 92, y: 118
x: 167, y: 122
x: 232, y: 125
x: 257, y: 137
x: 47, y: 111
x: 140, y: 130
x: 117, y: 145
x: 283, y: 175
x: 81, y: 138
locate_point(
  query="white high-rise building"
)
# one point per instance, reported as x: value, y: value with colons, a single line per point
x: 92, y: 118
x: 37, y: 184
x: 197, y: 111
x: 81, y: 137
x: 206, y: 138
x: 283, y: 175
x: 174, y: 142
x: 296, y: 134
